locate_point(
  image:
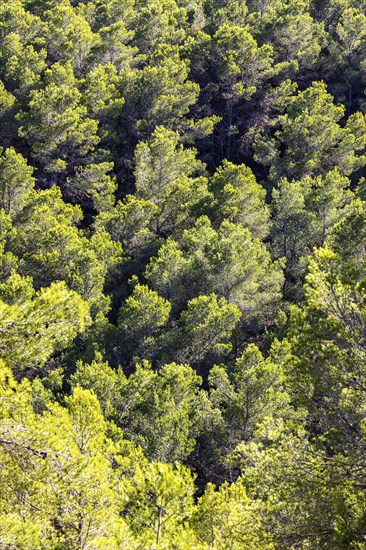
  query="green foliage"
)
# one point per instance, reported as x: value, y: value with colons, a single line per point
x: 250, y: 394
x: 93, y: 182
x: 242, y: 66
x: 312, y: 139
x: 158, y: 24
x: 168, y: 175
x: 57, y: 482
x: 16, y: 181
x: 130, y: 222
x: 31, y: 331
x: 7, y: 100
x: 182, y: 274
x: 69, y: 37
x: 228, y: 517
x: 305, y: 212
x: 291, y: 30
x: 140, y: 320
x: 52, y: 249
x: 159, y: 504
x: 239, y: 199
x: 159, y: 94
x: 227, y: 261
x: 99, y: 377
x: 55, y: 123
x: 163, y: 411
x: 208, y: 323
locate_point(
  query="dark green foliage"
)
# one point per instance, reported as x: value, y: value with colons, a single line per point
x: 182, y: 274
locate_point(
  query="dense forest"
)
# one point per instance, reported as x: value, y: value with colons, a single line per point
x: 182, y: 274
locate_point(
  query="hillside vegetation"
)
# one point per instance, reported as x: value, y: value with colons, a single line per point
x: 182, y: 274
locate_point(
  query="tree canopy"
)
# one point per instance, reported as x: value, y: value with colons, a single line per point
x: 182, y: 274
